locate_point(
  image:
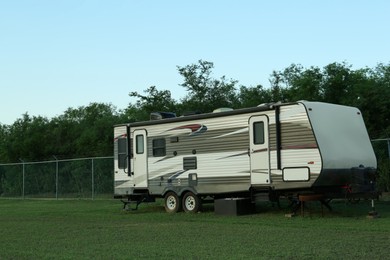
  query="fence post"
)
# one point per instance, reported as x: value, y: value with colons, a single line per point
x: 388, y: 146
x: 93, y: 181
x: 55, y: 157
x: 23, y: 171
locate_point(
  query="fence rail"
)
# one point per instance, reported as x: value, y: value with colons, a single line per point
x: 72, y: 178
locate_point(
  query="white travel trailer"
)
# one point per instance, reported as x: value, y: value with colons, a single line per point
x: 277, y: 149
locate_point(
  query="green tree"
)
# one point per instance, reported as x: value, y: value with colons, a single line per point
x: 82, y: 132
x: 206, y: 93
x: 253, y: 96
x: 86, y: 131
x: 4, y: 135
x: 154, y: 101
x: 28, y: 138
x: 279, y: 88
x: 337, y: 83
x: 372, y: 96
x: 302, y: 84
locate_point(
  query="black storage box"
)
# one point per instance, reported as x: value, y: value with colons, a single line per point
x: 233, y: 206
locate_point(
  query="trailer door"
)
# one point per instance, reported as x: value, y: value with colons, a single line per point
x: 140, y: 159
x: 259, y: 150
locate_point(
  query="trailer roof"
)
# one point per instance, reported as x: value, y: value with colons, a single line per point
x: 262, y: 107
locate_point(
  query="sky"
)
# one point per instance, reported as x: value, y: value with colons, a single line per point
x: 62, y: 54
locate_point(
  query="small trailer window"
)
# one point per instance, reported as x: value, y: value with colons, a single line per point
x: 139, y: 143
x: 122, y: 153
x: 159, y: 148
x: 258, y: 132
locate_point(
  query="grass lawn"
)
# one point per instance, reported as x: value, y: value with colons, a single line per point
x: 82, y: 229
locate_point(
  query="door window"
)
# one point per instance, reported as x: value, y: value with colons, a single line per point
x: 122, y: 153
x: 258, y: 132
x: 139, y: 143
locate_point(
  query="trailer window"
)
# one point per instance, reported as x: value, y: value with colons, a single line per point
x: 139, y: 143
x: 258, y: 132
x: 159, y: 148
x: 122, y: 153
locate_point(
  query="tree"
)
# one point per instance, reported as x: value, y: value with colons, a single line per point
x: 86, y: 131
x: 82, y: 132
x: 253, y: 96
x: 4, y: 135
x: 204, y: 92
x: 154, y: 101
x: 337, y: 83
x: 28, y: 138
x: 302, y: 84
x: 372, y: 97
x: 279, y: 87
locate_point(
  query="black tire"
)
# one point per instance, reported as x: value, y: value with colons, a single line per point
x: 191, y: 202
x: 172, y: 202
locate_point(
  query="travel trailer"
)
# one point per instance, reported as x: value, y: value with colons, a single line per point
x: 274, y: 149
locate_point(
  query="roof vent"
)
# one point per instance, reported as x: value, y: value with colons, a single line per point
x: 161, y: 115
x: 222, y: 109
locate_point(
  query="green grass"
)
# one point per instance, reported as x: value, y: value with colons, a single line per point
x: 82, y: 229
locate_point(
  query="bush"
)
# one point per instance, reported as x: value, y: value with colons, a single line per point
x: 384, y: 175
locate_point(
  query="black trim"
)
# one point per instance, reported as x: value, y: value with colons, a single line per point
x: 129, y: 150
x: 278, y: 138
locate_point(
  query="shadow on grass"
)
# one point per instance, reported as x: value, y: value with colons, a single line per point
x: 339, y: 208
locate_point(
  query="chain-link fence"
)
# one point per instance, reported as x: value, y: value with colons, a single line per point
x: 84, y: 178
x: 90, y: 178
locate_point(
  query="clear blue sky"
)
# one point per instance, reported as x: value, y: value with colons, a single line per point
x: 69, y: 53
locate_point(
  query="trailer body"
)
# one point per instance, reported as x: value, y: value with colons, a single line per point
x: 272, y: 148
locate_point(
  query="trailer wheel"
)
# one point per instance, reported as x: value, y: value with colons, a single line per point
x: 172, y: 202
x: 191, y: 203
